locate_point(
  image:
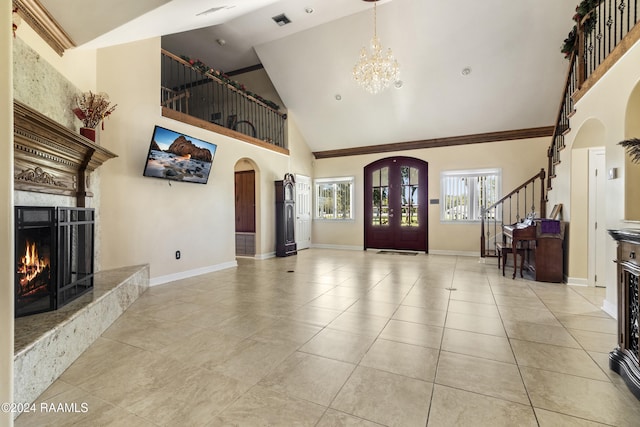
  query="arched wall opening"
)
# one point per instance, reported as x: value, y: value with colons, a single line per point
x: 580, y: 247
x: 247, y: 201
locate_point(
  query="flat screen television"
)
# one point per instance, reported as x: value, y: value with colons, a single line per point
x: 179, y: 157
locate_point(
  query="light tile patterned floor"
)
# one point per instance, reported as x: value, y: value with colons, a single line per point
x: 350, y: 338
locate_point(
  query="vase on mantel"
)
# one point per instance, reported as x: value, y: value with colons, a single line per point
x: 89, y: 133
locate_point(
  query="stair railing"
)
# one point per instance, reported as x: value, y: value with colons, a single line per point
x: 598, y: 34
x: 565, y: 111
x: 512, y: 208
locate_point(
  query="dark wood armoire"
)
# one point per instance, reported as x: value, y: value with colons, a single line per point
x: 285, y: 216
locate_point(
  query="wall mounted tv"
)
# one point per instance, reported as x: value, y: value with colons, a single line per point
x: 179, y: 157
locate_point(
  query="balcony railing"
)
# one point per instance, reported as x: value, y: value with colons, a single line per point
x: 601, y: 31
x: 206, y: 96
x: 597, y: 36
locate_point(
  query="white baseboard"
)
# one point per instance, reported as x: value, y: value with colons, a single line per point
x: 191, y: 273
x: 265, y: 256
x: 454, y: 253
x: 339, y: 247
x: 610, y: 309
x: 577, y: 281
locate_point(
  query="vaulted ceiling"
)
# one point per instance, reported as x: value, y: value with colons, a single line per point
x: 510, y: 51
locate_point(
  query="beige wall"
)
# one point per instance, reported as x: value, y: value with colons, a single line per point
x: 302, y: 159
x: 145, y: 220
x: 576, y: 243
x: 443, y: 237
x: 77, y: 65
x: 632, y: 170
x: 6, y: 214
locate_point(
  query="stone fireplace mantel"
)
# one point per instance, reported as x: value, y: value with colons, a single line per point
x: 49, y: 158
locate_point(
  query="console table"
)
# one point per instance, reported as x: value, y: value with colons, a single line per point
x: 624, y: 360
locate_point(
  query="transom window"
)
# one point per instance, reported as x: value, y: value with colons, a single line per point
x: 334, y: 198
x: 464, y: 194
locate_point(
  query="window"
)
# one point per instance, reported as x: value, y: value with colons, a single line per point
x: 334, y: 198
x: 464, y: 194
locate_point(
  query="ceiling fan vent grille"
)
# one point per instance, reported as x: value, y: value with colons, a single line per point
x: 281, y: 19
x: 212, y: 10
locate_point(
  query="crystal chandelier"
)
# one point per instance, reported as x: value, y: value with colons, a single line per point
x: 375, y: 70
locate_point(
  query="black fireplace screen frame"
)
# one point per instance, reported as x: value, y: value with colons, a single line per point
x: 75, y: 253
x: 70, y: 233
x: 35, y: 225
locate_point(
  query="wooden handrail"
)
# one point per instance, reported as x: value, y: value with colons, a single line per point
x: 222, y: 82
x: 543, y: 204
x: 540, y: 175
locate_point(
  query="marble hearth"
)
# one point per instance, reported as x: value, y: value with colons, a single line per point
x: 47, y: 343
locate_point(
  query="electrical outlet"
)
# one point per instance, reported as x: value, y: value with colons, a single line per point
x: 177, y: 254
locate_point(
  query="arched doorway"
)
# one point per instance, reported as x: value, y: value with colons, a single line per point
x: 245, y: 208
x: 587, y: 215
x: 395, y: 204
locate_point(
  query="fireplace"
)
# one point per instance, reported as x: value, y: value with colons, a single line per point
x: 54, y: 257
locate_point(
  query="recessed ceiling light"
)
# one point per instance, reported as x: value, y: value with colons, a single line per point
x: 338, y: 97
x: 308, y: 9
x: 221, y: 42
x: 398, y: 84
x: 466, y: 71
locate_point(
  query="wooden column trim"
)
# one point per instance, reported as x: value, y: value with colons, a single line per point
x: 38, y: 18
x: 439, y: 142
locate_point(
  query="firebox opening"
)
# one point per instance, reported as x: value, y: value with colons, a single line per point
x: 54, y: 257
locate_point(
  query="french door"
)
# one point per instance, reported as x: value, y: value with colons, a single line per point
x: 396, y: 204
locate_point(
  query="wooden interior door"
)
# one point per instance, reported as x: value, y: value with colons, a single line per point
x: 245, y: 201
x: 396, y: 204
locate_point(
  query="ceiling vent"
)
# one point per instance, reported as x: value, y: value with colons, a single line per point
x: 281, y: 20
x: 213, y: 10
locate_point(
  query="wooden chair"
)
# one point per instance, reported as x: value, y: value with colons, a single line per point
x: 504, y: 250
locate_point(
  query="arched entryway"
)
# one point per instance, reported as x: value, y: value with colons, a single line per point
x: 395, y: 204
x: 245, y: 207
x: 586, y: 244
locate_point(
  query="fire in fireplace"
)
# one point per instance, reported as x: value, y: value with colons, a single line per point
x: 34, y: 271
x: 54, y: 257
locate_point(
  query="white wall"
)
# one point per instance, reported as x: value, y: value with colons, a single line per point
x: 6, y: 214
x: 519, y: 160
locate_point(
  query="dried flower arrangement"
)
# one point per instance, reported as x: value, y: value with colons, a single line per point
x: 92, y: 108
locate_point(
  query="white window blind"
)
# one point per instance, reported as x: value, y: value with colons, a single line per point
x: 465, y: 194
x: 334, y: 198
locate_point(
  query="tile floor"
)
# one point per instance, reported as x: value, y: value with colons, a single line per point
x: 350, y: 338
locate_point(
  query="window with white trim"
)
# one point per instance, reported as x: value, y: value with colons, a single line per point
x: 465, y: 193
x: 334, y: 198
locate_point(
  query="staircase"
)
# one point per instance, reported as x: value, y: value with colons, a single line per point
x: 512, y: 208
x: 600, y: 37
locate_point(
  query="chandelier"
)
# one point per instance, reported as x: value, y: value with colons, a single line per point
x: 375, y: 70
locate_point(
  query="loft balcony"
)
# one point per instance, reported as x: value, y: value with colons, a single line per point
x: 190, y: 89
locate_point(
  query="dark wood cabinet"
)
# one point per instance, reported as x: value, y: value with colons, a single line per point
x: 285, y: 216
x: 549, y: 259
x: 625, y: 358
